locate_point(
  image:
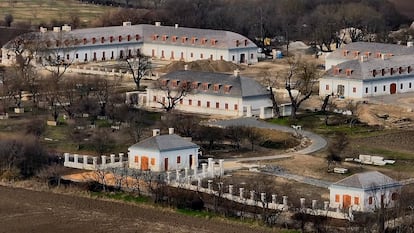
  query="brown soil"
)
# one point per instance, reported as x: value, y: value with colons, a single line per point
x: 276, y: 185
x: 32, y: 211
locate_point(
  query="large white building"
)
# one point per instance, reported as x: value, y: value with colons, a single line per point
x: 368, y: 69
x: 214, y: 94
x: 163, y: 153
x: 156, y: 41
x: 365, y: 192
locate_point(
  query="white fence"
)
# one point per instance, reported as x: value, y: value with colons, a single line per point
x: 88, y: 162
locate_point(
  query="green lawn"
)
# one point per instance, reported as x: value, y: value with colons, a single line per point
x: 44, y: 11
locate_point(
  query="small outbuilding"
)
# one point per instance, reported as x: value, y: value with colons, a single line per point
x: 365, y: 192
x: 163, y: 152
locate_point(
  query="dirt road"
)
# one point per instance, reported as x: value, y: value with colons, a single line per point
x: 31, y: 211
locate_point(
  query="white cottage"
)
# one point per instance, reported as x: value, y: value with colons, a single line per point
x: 163, y: 153
x: 157, y: 41
x: 215, y: 94
x: 364, y: 192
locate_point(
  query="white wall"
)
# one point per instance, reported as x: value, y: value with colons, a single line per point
x: 349, y: 85
x: 160, y: 158
x: 203, y: 109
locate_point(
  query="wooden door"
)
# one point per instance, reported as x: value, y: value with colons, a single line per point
x: 166, y: 164
x: 346, y: 201
x: 393, y: 88
x: 144, y: 163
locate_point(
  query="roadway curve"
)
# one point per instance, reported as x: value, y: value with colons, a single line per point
x: 318, y: 142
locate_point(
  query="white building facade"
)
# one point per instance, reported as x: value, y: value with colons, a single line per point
x: 365, y: 192
x: 163, y: 152
x: 214, y: 94
x: 366, y: 77
x: 159, y: 42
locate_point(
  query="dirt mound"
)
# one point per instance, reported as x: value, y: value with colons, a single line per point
x: 201, y: 65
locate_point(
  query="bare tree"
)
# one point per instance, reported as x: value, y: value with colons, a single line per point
x: 173, y: 93
x: 271, y: 82
x: 301, y: 76
x: 139, y: 65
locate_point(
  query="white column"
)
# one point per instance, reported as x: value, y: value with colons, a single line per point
x: 195, y: 172
x: 186, y: 173
x: 263, y: 197
x: 103, y: 159
x: 231, y: 189
x: 168, y: 177
x: 85, y: 160
x: 210, y: 185
x: 221, y: 167
x: 204, y: 169
x: 177, y: 176
x: 325, y: 205
x: 241, y: 193
x: 210, y: 167
x: 252, y: 195
x: 66, y: 157
x: 94, y: 161
x: 112, y: 158
x: 314, y: 203
x: 75, y: 158
x: 121, y: 157
x: 274, y: 198
x: 285, y: 202
x: 302, y: 203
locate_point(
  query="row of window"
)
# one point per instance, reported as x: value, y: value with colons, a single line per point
x: 152, y: 160
x: 394, y: 197
x: 199, y: 103
x: 384, y: 88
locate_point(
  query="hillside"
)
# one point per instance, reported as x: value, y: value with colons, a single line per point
x: 44, y: 11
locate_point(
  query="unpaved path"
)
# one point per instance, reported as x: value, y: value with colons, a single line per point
x: 24, y: 210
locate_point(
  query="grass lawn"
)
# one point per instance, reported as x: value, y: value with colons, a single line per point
x: 38, y: 11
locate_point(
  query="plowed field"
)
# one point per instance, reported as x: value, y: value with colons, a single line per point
x: 31, y: 211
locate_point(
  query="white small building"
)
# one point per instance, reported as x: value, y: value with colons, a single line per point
x: 163, y: 153
x: 368, y: 77
x: 362, y: 69
x: 214, y: 94
x: 365, y: 192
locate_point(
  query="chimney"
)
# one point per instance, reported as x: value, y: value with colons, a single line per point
x: 364, y: 58
x: 384, y: 56
x: 176, y: 25
x: 56, y: 29
x: 185, y: 67
x: 127, y: 23
x: 157, y: 24
x: 410, y: 44
x: 155, y: 132
x: 236, y: 73
x: 66, y: 28
x: 170, y: 131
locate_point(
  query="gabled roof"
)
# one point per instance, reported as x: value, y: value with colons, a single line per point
x: 367, y: 181
x: 371, y: 47
x: 162, y: 143
x: 363, y: 70
x: 240, y: 86
x: 222, y: 39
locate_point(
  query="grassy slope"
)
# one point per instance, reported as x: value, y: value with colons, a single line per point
x: 38, y: 11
